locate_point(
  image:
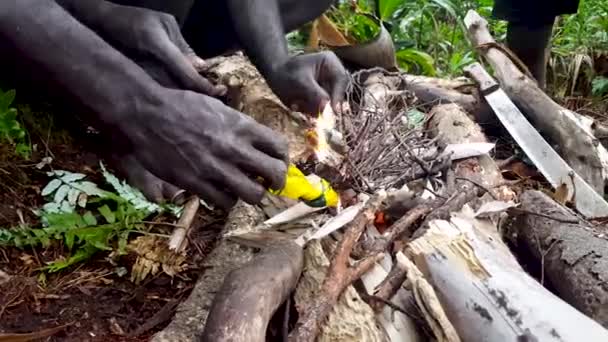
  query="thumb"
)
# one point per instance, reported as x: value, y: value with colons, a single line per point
x: 313, y: 97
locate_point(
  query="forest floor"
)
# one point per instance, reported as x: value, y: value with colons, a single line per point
x: 95, y: 300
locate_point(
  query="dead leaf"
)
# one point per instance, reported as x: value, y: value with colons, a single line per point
x: 521, y: 170
x: 467, y: 150
x: 493, y: 207
x: 561, y: 194
x: 329, y: 34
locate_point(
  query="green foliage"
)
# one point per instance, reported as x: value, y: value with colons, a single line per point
x: 600, y: 86
x: 577, y: 40
x: 417, y: 61
x: 85, y: 218
x: 387, y: 8
x: 11, y: 131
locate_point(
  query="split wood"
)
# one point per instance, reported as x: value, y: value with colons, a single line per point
x: 339, y: 275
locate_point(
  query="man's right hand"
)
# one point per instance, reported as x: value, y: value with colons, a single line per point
x: 197, y: 143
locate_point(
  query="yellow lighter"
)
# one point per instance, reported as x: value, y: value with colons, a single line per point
x: 314, y: 191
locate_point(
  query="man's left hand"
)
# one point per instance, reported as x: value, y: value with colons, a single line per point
x: 308, y: 82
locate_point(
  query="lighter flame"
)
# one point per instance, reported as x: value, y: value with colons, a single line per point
x: 324, y: 124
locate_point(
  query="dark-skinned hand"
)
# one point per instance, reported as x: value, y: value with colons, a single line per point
x: 308, y: 82
x: 197, y: 143
x: 156, y: 36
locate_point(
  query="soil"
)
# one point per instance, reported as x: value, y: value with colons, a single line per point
x: 94, y: 300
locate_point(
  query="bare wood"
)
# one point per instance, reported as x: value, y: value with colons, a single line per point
x: 485, y: 293
x: 191, y: 315
x: 578, y: 146
x: 252, y: 293
x: 428, y: 303
x: 573, y: 257
x: 339, y: 276
x: 451, y: 125
x: 177, y: 241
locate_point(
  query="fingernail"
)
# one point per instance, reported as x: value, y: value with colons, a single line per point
x: 198, y: 63
x: 221, y: 90
x: 179, y: 198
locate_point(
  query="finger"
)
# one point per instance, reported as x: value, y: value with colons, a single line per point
x: 270, y: 142
x: 338, y: 92
x: 213, y: 194
x: 238, y: 183
x: 272, y: 170
x: 198, y: 63
x: 314, y: 97
x: 182, y: 69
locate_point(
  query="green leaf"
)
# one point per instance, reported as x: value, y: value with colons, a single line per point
x: 89, y: 219
x: 448, y: 6
x: 600, y: 86
x: 387, y: 8
x: 52, y: 186
x: 415, y: 118
x: 7, y: 99
x: 80, y: 255
x: 70, y: 177
x: 73, y: 196
x: 107, y: 214
x: 422, y: 60
x: 123, y: 240
x: 42, y: 237
x: 61, y: 193
x: 89, y: 188
x: 69, y: 239
x: 52, y: 207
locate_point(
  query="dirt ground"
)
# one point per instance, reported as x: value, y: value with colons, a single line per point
x: 92, y: 300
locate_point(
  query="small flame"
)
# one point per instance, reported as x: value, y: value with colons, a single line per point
x: 324, y: 124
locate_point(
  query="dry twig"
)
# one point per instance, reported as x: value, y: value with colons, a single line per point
x: 339, y: 275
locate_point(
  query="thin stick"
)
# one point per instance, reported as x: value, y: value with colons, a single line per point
x: 178, y: 237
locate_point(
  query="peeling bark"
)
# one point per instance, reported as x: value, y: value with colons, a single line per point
x: 574, y: 257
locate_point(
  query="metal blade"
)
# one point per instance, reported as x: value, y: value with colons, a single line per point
x: 588, y: 202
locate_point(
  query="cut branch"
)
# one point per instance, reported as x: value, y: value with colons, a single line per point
x: 251, y: 294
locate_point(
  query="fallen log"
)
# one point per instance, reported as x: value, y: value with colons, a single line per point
x: 573, y: 257
x: 568, y: 130
x: 251, y: 294
x: 485, y: 293
x: 191, y: 315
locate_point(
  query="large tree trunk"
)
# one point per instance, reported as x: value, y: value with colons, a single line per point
x: 573, y: 257
x: 486, y: 294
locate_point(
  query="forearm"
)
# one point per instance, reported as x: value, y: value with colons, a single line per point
x: 260, y: 29
x: 88, y: 12
x: 74, y: 56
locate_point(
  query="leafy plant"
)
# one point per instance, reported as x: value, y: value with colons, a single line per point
x: 11, y: 130
x: 85, y: 218
x: 600, y: 86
